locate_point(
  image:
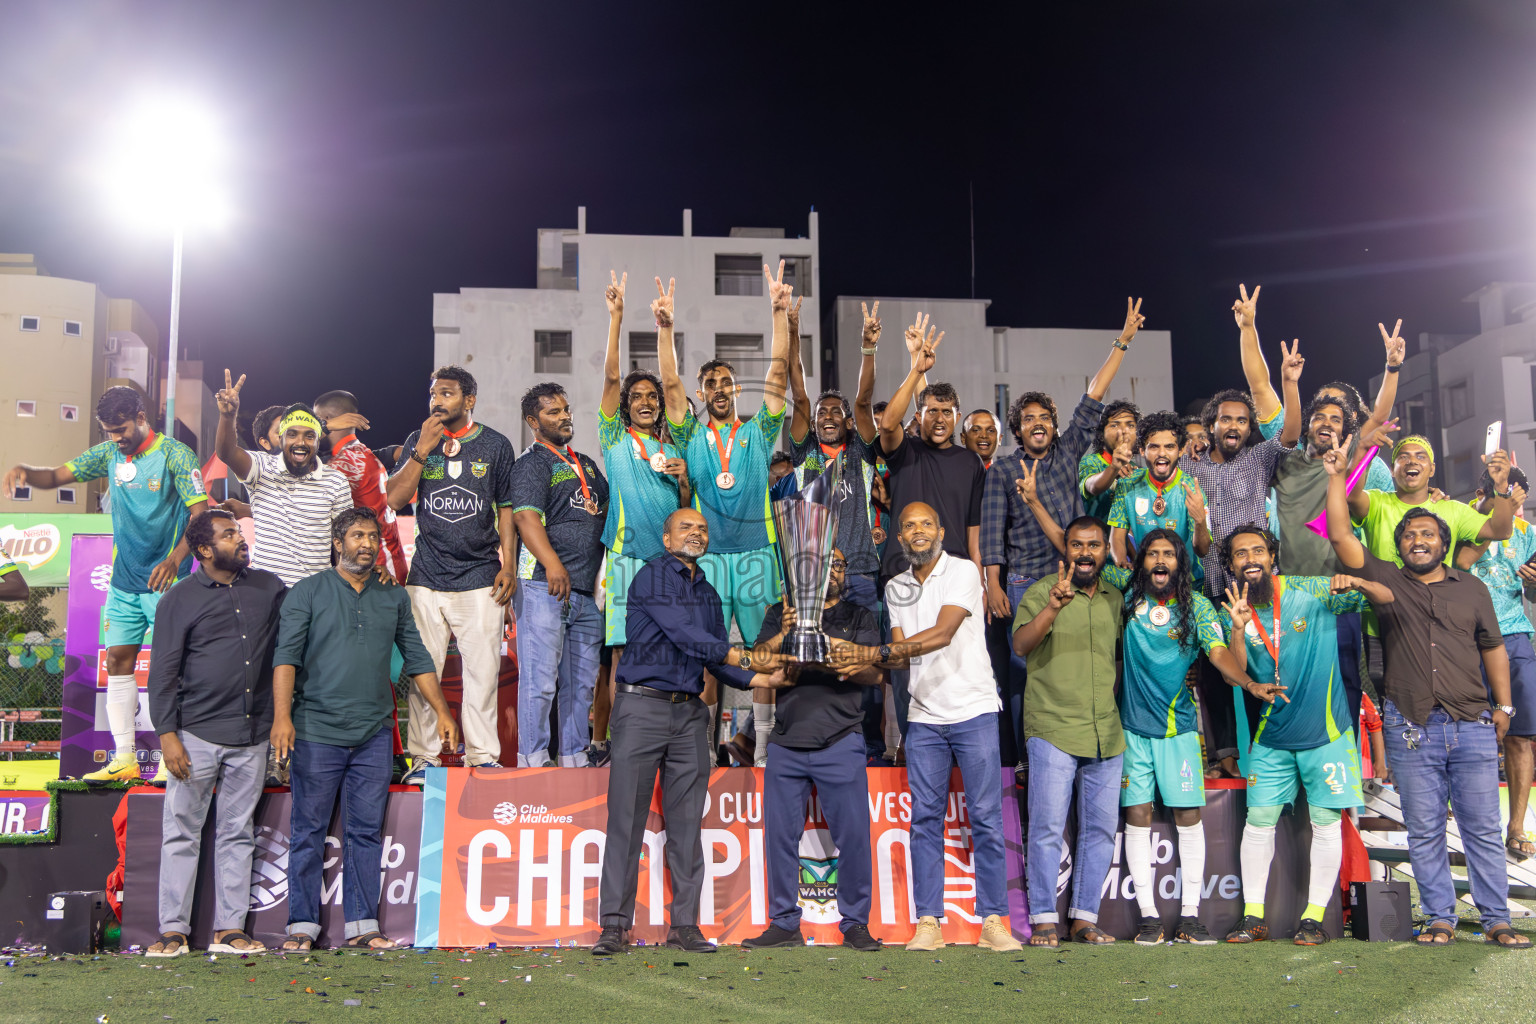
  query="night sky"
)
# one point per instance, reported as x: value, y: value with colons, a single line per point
x: 1364, y: 161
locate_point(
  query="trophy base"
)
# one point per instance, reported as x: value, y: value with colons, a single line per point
x: 807, y: 645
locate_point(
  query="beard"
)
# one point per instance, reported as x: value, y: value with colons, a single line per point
x: 1260, y: 592
x: 918, y: 558
x: 690, y: 549
x: 1085, y: 573
x: 301, y: 469
x: 357, y: 564
x: 834, y: 588
x: 1154, y: 590
x: 1430, y: 565
x: 231, y: 562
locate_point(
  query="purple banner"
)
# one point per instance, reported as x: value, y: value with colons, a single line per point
x: 86, y: 741
x: 23, y: 811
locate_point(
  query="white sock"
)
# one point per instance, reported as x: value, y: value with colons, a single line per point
x: 1258, y: 850
x: 1138, y: 860
x: 122, y: 709
x: 762, y: 728
x: 1327, y: 855
x: 1192, y: 866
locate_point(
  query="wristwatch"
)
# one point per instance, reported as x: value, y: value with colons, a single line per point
x: 746, y: 659
x: 1509, y: 712
x: 885, y: 653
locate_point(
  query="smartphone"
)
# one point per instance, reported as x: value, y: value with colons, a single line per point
x: 1495, y: 437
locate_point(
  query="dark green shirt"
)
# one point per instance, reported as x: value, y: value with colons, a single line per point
x: 1070, y: 699
x: 339, y: 640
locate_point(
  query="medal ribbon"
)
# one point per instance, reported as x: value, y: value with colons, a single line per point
x: 640, y: 441
x: 456, y: 434
x: 1273, y: 646
x: 1160, y: 488
x: 575, y: 464
x: 149, y: 440
x: 725, y: 448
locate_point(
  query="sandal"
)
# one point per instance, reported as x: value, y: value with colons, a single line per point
x: 1496, y: 935
x: 236, y: 942
x: 367, y: 940
x: 297, y: 943
x: 1439, y: 933
x: 1044, y: 935
x: 1519, y: 843
x: 1092, y: 935
x: 171, y: 944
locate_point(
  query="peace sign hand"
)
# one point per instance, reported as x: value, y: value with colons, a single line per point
x: 1396, y: 346
x: 794, y: 317
x: 1291, y: 362
x: 1236, y: 606
x: 871, y: 324
x: 1025, y: 485
x: 661, y: 305
x: 1061, y: 593
x: 1133, y: 320
x: 1245, y: 308
x: 778, y: 291
x: 1194, y: 501
x: 921, y: 342
x: 1336, y: 459
x: 614, y: 294
x: 228, y: 397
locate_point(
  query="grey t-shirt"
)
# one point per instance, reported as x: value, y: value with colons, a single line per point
x: 853, y: 525
x: 457, y: 544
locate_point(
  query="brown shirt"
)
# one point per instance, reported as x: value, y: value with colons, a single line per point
x: 1433, y: 636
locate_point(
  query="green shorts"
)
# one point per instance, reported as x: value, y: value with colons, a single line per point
x: 1170, y: 765
x: 1330, y: 774
x: 125, y: 618
x: 616, y: 582
x: 748, y: 584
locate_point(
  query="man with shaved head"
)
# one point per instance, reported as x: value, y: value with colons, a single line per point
x: 674, y: 629
x: 938, y: 634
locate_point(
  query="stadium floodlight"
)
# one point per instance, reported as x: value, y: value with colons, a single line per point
x: 163, y: 172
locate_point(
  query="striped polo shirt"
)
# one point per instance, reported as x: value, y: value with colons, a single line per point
x: 293, y: 516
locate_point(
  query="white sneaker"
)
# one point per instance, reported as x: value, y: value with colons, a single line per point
x: 927, y: 937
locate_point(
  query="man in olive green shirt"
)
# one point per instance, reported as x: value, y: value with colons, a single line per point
x: 332, y: 699
x: 1067, y: 627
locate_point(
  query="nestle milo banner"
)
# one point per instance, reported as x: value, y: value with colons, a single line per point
x: 40, y: 544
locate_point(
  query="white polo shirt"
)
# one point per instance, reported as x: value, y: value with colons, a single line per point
x: 954, y: 684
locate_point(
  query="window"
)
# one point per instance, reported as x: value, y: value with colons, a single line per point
x: 728, y: 346
x: 739, y: 274
x: 551, y: 351
x: 31, y: 323
x: 65, y: 495
x: 642, y: 351
x: 26, y: 407
x: 797, y: 272
x: 746, y: 354
x: 570, y: 263
x: 69, y: 413
x: 22, y: 494
x: 1458, y: 402
x: 1002, y: 403
x: 72, y: 328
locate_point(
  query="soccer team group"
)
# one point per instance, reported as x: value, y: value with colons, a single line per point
x: 1065, y: 608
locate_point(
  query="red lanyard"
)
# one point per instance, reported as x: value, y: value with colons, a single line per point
x: 456, y: 434
x: 640, y: 440
x: 724, y: 447
x: 831, y: 452
x: 575, y: 464
x: 1273, y: 646
x: 1159, y: 488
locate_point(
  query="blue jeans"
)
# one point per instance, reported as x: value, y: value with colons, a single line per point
x: 1522, y: 683
x: 559, y: 645
x: 842, y: 789
x: 931, y: 751
x: 1013, y: 697
x: 1053, y: 774
x: 1456, y: 762
x: 361, y: 775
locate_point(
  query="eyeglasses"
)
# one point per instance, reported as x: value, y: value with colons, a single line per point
x: 839, y: 564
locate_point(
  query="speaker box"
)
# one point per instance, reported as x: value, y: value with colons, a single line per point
x: 74, y: 922
x: 1381, y: 911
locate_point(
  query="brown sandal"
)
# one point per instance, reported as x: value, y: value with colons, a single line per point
x: 1044, y: 935
x: 1092, y: 935
x: 297, y: 943
x: 171, y: 944
x: 1519, y: 843
x: 1438, y: 933
x: 1496, y: 935
x: 367, y: 939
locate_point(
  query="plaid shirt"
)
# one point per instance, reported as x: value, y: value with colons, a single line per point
x: 1010, y: 535
x: 1235, y: 495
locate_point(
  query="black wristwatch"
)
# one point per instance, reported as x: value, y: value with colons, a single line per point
x: 885, y: 653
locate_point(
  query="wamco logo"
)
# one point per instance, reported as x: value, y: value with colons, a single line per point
x: 453, y: 503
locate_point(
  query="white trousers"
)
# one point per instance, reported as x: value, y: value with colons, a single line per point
x: 475, y: 621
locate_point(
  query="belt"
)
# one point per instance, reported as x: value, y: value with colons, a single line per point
x: 670, y: 696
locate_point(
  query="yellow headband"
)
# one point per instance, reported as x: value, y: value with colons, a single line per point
x: 1414, y: 439
x: 300, y: 418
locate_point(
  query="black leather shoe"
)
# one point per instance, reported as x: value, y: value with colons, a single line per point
x: 858, y: 937
x: 688, y: 938
x: 611, y: 943
x: 772, y: 937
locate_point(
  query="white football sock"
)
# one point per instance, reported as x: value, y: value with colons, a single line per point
x: 1258, y: 850
x: 762, y: 728
x: 1327, y: 855
x: 1192, y: 866
x: 122, y: 709
x: 1138, y: 861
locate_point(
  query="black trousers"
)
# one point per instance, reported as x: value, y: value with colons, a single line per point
x: 651, y: 737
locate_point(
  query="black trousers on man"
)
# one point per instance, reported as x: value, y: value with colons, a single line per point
x: 651, y: 736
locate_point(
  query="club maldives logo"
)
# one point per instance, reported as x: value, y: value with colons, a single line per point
x: 31, y: 546
x: 818, y: 877
x: 452, y: 504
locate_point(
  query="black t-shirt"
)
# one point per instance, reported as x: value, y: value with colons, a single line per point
x: 544, y: 483
x: 457, y: 545
x: 949, y: 479
x: 821, y: 709
x: 853, y: 525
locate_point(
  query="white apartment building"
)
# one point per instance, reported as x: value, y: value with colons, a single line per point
x: 510, y: 338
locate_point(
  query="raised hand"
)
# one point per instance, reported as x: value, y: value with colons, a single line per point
x: 1237, y: 607
x: 1498, y: 468
x: 1133, y: 320
x: 431, y: 433
x: 661, y: 305
x: 614, y: 294
x: 1122, y: 457
x: 778, y: 292
x: 1061, y: 593
x: 1397, y: 347
x: 1194, y: 500
x: 1026, y: 485
x: 794, y: 317
x: 1517, y: 495
x: 1381, y: 437
x: 1244, y: 309
x: 921, y: 342
x: 347, y: 421
x: 871, y: 324
x: 1336, y: 459
x: 1343, y: 583
x: 228, y: 397
x: 1291, y: 362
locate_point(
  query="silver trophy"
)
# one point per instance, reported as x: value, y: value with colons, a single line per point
x: 807, y: 527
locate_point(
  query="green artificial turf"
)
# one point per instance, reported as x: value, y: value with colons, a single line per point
x: 1344, y: 980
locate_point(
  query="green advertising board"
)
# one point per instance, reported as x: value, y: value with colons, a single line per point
x: 40, y: 543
